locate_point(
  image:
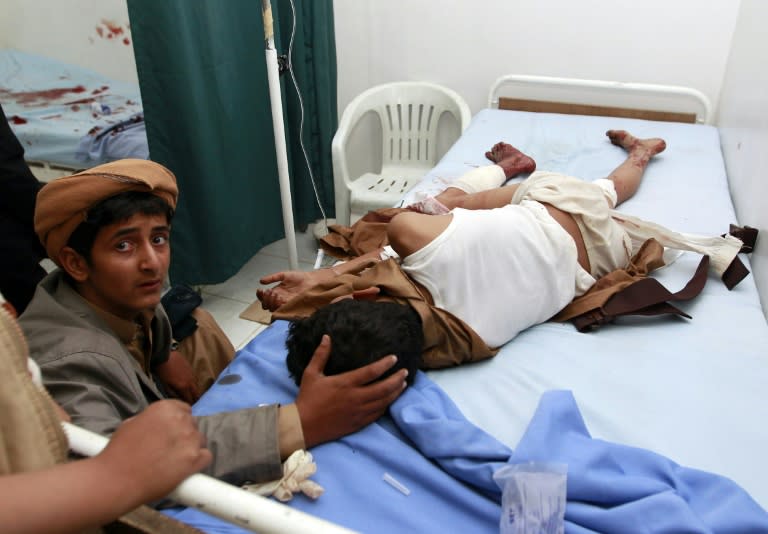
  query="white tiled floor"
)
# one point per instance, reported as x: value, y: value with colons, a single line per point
x: 227, y: 300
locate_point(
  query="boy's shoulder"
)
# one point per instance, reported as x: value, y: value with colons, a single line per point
x: 59, y: 323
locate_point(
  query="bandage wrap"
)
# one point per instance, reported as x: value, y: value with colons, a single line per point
x: 481, y: 179
x: 297, y: 469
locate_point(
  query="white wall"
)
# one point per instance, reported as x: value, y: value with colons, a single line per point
x: 467, y: 44
x: 460, y: 43
x: 91, y: 33
x: 743, y: 122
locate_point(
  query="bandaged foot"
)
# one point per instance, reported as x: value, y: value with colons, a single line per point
x: 297, y: 469
x: 509, y: 163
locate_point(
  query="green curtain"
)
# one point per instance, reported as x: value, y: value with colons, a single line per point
x: 202, y: 73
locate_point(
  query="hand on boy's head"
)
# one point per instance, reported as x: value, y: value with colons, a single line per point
x: 333, y: 406
x: 157, y: 449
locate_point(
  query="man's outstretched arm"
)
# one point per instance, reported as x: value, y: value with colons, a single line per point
x: 292, y: 283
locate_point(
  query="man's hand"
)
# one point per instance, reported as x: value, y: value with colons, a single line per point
x: 177, y: 375
x: 333, y: 406
x: 156, y: 450
x: 292, y: 283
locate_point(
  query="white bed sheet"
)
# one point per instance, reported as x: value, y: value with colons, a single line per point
x: 691, y: 390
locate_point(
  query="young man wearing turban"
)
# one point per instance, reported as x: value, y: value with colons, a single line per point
x: 96, y: 326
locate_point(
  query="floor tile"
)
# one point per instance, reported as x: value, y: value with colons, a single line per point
x: 243, y: 285
x: 306, y: 247
x: 226, y: 312
x: 228, y: 299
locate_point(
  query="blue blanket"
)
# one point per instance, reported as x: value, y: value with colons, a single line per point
x: 447, y: 463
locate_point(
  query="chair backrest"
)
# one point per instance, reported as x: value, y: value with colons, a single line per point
x: 409, y: 113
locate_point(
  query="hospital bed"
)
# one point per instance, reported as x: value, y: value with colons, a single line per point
x: 660, y: 420
x: 69, y: 118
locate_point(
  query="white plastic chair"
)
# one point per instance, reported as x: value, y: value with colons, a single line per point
x: 409, y: 114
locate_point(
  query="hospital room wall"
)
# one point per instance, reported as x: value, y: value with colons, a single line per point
x: 464, y: 45
x: 743, y: 124
x: 94, y: 34
x: 467, y: 45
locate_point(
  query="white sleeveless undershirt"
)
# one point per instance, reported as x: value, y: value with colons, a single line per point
x: 501, y: 270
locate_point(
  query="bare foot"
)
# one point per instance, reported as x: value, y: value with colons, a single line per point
x: 510, y: 159
x: 640, y: 150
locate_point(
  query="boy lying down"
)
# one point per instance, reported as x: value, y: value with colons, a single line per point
x: 531, y: 247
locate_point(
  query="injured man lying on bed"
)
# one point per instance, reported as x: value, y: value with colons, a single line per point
x: 481, y: 261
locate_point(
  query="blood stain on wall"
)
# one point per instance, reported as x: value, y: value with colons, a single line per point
x: 110, y: 30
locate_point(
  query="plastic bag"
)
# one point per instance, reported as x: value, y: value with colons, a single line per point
x: 533, y: 498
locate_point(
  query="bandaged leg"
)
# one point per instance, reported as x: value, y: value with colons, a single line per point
x: 722, y: 250
x: 481, y: 179
x: 475, y: 181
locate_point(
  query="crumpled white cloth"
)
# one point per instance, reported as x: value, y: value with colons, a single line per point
x: 297, y: 469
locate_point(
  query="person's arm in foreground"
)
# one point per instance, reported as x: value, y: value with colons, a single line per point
x: 146, y: 458
x: 292, y: 283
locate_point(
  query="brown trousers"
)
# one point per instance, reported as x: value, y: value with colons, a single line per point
x: 208, y: 349
x: 448, y: 341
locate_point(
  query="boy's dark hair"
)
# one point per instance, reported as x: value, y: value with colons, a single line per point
x: 114, y: 209
x: 361, y: 332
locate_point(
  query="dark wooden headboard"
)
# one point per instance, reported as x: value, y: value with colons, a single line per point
x: 575, y: 96
x: 542, y: 106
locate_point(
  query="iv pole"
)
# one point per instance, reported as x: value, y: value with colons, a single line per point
x: 273, y: 76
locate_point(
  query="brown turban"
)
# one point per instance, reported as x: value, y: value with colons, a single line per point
x: 64, y: 203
